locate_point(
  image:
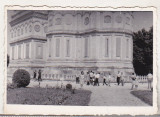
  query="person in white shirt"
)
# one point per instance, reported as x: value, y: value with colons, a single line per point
x: 109, y: 79
x: 150, y: 79
x: 133, y: 78
x: 97, y: 76
x: 82, y: 79
x: 122, y: 79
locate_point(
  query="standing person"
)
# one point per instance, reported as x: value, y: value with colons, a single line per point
x: 39, y: 75
x: 77, y: 78
x: 97, y: 76
x: 104, y: 80
x: 109, y: 79
x: 133, y: 78
x: 150, y: 79
x: 91, y: 77
x: 122, y: 79
x: 118, y: 77
x: 136, y: 82
x: 82, y: 79
x: 88, y: 78
x: 34, y: 74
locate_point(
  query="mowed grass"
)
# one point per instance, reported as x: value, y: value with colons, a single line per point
x: 144, y: 95
x: 48, y: 96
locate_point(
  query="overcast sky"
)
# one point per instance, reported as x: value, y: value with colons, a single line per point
x: 142, y: 20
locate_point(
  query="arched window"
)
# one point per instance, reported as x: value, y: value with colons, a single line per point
x: 58, y: 21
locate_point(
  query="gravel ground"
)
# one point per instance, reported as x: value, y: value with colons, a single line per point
x: 102, y: 95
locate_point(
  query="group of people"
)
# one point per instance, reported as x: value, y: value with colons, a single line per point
x: 92, y: 78
x: 37, y: 75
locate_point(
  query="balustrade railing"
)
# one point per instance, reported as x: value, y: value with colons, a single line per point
x: 67, y: 77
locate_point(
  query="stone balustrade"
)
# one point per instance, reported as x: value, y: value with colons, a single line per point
x: 68, y: 77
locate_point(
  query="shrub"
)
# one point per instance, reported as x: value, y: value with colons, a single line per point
x: 69, y: 86
x: 21, y: 78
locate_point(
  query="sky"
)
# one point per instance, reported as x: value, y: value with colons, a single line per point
x: 142, y: 20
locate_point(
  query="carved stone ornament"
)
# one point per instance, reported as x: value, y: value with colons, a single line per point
x: 37, y: 28
x: 50, y: 22
x: 118, y: 19
x: 58, y: 21
x: 86, y: 21
x: 107, y: 19
x: 30, y: 28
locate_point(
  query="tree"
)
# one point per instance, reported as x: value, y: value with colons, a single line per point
x: 143, y: 51
x: 7, y: 60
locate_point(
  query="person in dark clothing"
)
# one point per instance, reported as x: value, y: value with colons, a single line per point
x: 104, y: 80
x: 118, y: 77
x: 34, y: 74
x: 77, y: 79
x: 39, y: 75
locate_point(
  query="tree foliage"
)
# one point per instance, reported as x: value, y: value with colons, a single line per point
x: 143, y: 51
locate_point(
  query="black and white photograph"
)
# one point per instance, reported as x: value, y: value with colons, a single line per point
x: 80, y: 58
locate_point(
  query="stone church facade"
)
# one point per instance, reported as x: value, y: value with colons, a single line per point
x: 67, y: 42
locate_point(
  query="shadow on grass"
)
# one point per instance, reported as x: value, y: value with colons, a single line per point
x: 48, y: 96
x: 145, y: 95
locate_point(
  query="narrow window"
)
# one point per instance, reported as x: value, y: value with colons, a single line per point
x: 106, y: 48
x: 27, y: 51
x: 86, y: 48
x: 118, y: 47
x: 57, y: 47
x: 19, y: 52
x: 127, y: 48
x: 40, y: 52
x: 21, y: 31
x: 67, y: 48
x: 13, y: 53
x: 50, y: 47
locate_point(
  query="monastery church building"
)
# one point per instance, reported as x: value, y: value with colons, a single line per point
x: 68, y: 42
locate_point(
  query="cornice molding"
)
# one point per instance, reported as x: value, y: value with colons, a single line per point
x: 88, y: 32
x: 29, y: 38
x: 28, y: 15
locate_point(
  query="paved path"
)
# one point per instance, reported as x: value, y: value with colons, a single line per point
x: 103, y: 95
x: 114, y: 96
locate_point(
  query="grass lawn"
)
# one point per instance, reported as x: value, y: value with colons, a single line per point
x: 144, y: 95
x: 47, y: 96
